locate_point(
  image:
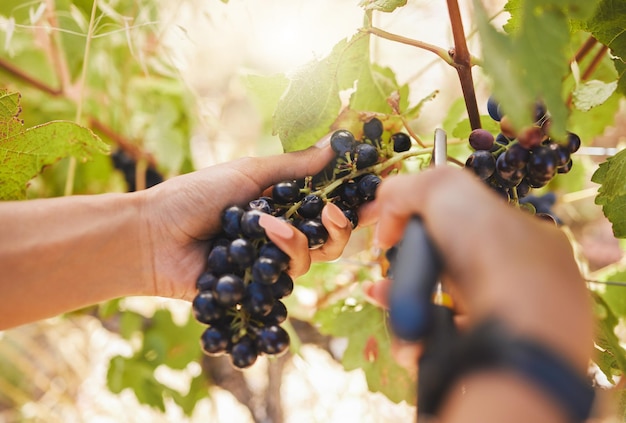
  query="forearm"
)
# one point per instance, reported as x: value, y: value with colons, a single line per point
x: 62, y: 254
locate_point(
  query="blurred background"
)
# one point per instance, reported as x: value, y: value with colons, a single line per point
x: 164, y: 83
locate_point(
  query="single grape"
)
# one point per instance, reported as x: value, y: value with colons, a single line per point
x: 283, y: 287
x: 214, y: 341
x: 286, y: 192
x: 401, y: 142
x: 531, y: 137
x: 507, y: 128
x: 493, y: 108
x: 482, y: 163
x: 481, y: 139
x: 205, y: 282
x: 508, y: 176
x: 258, y: 299
x: 342, y: 142
x: 517, y: 156
x: 572, y: 142
x: 350, y: 214
x: 542, y: 163
x: 231, y: 218
x: 349, y: 193
x: 206, y: 309
x: 219, y: 261
x: 315, y: 232
x: 272, y: 340
x: 311, y: 207
x: 229, y: 290
x: 561, y: 154
x: 250, y: 225
x: 242, y: 252
x: 277, y: 315
x: 366, y: 155
x: 367, y: 186
x: 271, y: 251
x: 566, y: 167
x: 243, y: 353
x: 263, y: 204
x: 373, y: 129
x: 522, y: 189
x: 265, y: 270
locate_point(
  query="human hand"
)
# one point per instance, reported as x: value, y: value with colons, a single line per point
x: 183, y: 213
x: 498, y: 261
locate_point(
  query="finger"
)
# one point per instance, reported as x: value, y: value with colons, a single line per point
x: 378, y: 292
x: 339, y: 230
x: 368, y: 213
x: 291, y: 241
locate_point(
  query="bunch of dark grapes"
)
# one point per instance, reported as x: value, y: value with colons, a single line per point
x: 514, y: 163
x: 239, y: 295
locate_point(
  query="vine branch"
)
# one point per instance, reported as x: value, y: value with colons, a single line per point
x: 463, y: 65
x: 441, y: 52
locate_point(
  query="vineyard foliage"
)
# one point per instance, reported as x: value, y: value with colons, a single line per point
x: 82, y: 79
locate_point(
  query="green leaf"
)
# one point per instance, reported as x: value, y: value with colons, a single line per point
x: 614, y: 295
x: 376, y: 85
x: 463, y: 128
x: 594, y: 122
x: 25, y: 152
x: 611, y: 356
x: 136, y: 374
x: 612, y: 194
x: 311, y: 103
x: 540, y: 37
x: 382, y: 5
x: 369, y: 347
x: 593, y: 93
x: 607, y: 26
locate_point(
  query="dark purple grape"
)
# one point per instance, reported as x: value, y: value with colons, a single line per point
x: 205, y: 282
x: 373, y: 129
x: 507, y: 175
x: 283, y: 287
x: 542, y: 163
x: 229, y: 290
x: 561, y: 154
x: 366, y: 155
x: 265, y: 270
x: 242, y: 252
x: 271, y: 251
x: 214, y: 341
x: 401, y: 142
x: 349, y: 193
x: 352, y: 216
x: 277, y: 315
x: 481, y: 139
x: 231, y: 218
x: 342, y: 142
x: 367, y: 186
x: 315, y: 232
x: 517, y: 156
x: 258, y: 299
x: 482, y: 163
x: 502, y: 139
x: 311, y: 206
x: 573, y: 142
x: 250, y: 225
x: 493, y: 108
x: 206, y: 309
x: 286, y: 192
x: 263, y: 204
x: 523, y: 189
x: 566, y: 167
x: 272, y: 340
x: 219, y: 261
x: 243, y: 353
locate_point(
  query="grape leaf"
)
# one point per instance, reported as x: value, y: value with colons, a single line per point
x: 614, y: 295
x: 25, y: 152
x: 135, y: 373
x: 612, y: 194
x: 376, y: 85
x: 382, y: 5
x: 311, y: 103
x: 593, y: 93
x: 607, y: 26
x: 611, y: 356
x: 529, y: 64
x: 369, y: 347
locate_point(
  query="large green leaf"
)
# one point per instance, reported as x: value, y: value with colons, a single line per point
x: 612, y: 194
x: 311, y: 104
x: 529, y: 64
x: 25, y: 152
x: 607, y: 26
x: 369, y: 347
x: 610, y: 356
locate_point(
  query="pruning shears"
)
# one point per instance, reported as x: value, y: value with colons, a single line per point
x: 419, y: 309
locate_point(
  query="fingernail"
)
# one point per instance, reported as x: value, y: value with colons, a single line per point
x: 323, y: 142
x: 275, y: 227
x: 336, y: 216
